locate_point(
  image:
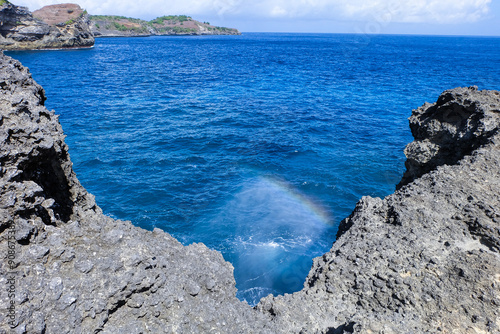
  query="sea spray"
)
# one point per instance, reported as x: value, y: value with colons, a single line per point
x: 273, y: 233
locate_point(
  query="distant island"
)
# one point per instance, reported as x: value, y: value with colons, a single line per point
x: 70, y: 26
x: 111, y: 26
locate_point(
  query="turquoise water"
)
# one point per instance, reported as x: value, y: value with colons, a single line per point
x: 256, y: 145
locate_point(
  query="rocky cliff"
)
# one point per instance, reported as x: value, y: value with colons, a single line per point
x: 75, y: 270
x: 118, y: 26
x: 52, y: 27
x: 425, y: 259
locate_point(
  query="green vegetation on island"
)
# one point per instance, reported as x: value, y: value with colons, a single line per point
x: 71, y: 21
x: 171, y: 19
x: 115, y: 18
x: 114, y: 25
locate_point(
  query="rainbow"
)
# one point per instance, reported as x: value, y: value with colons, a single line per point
x: 312, y: 208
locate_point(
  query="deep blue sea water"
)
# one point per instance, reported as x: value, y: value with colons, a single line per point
x: 256, y: 145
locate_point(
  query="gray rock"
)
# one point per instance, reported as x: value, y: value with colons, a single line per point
x: 424, y: 259
x: 86, y: 272
x: 460, y: 121
x: 19, y: 30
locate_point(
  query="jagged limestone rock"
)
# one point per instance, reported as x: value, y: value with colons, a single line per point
x: 19, y: 30
x: 426, y: 258
x: 459, y: 122
x: 423, y: 260
x: 78, y: 271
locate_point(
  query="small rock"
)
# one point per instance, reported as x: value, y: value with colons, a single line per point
x: 192, y: 288
x: 84, y: 266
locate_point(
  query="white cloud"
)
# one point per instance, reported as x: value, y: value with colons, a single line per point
x: 421, y: 11
x: 430, y: 11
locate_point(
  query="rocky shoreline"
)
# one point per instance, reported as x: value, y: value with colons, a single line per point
x: 68, y: 26
x: 21, y: 30
x: 174, y: 25
x: 78, y: 271
x: 424, y: 259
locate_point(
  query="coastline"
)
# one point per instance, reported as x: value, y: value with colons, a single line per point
x: 52, y: 49
x: 68, y: 25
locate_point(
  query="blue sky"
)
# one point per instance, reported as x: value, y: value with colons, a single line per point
x: 437, y: 17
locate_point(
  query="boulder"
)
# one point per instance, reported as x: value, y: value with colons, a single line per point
x: 20, y: 30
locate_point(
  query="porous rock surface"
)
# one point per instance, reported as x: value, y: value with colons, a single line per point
x: 79, y: 271
x: 57, y: 26
x: 423, y: 260
x: 456, y: 125
x: 426, y: 258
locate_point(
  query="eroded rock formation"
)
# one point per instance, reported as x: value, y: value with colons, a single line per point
x: 78, y: 271
x: 425, y: 259
x: 457, y: 124
x: 57, y: 26
x: 172, y: 25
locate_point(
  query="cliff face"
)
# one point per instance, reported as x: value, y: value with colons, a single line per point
x: 78, y: 271
x: 118, y: 26
x: 19, y: 30
x: 425, y: 259
x: 456, y: 125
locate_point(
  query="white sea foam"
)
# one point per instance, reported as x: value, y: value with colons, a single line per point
x: 253, y: 295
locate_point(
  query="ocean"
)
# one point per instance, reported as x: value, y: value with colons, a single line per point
x: 256, y: 145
